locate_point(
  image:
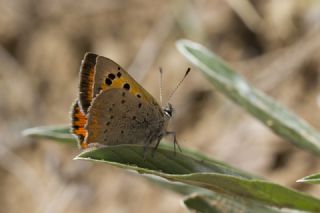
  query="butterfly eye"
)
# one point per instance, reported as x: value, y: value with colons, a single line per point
x: 168, y: 110
x: 168, y: 113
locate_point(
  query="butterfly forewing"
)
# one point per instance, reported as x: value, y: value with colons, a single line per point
x: 109, y: 74
x: 87, y: 70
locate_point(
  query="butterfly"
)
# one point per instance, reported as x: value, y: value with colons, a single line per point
x: 112, y: 108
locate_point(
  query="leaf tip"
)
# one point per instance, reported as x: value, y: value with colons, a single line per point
x: 302, y: 180
x: 79, y: 157
x: 313, y: 179
x: 27, y: 132
x: 182, y: 45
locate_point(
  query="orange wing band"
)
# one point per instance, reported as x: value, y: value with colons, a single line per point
x: 79, y: 120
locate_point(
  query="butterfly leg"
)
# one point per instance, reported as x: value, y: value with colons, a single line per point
x: 146, y: 145
x: 157, y: 144
x: 175, y: 141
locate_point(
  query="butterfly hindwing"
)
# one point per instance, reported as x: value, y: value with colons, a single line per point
x: 79, y: 121
x: 118, y: 117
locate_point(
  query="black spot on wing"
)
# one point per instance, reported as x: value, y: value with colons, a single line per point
x: 111, y: 76
x: 108, y: 81
x: 126, y: 86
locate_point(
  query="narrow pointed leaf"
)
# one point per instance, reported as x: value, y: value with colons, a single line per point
x: 315, y: 178
x: 198, y: 171
x: 202, y: 200
x: 221, y: 204
x: 201, y: 204
x: 272, y: 114
x: 59, y: 133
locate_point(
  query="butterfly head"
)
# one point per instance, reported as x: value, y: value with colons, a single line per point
x: 168, y: 111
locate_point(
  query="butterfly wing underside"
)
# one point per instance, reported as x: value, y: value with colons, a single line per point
x: 97, y: 76
x: 81, y: 105
x: 109, y: 75
x: 79, y: 120
x: 118, y: 117
x: 87, y: 70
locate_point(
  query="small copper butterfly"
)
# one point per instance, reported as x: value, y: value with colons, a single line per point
x: 112, y: 108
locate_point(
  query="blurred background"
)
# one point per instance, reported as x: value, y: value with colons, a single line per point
x: 274, y: 44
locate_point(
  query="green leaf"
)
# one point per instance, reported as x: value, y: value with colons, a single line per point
x: 202, y: 200
x: 167, y: 165
x: 180, y: 188
x: 221, y: 204
x: 273, y: 115
x: 201, y: 204
x: 60, y: 133
x: 201, y: 172
x: 314, y: 178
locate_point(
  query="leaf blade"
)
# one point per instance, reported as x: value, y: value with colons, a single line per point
x: 273, y: 115
x: 59, y: 133
x: 218, y: 203
x: 203, y: 175
x: 313, y: 179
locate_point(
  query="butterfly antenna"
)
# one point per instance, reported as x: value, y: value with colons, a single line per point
x: 178, y: 85
x: 161, y: 85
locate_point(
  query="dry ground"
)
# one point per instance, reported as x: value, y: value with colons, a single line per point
x: 274, y: 44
